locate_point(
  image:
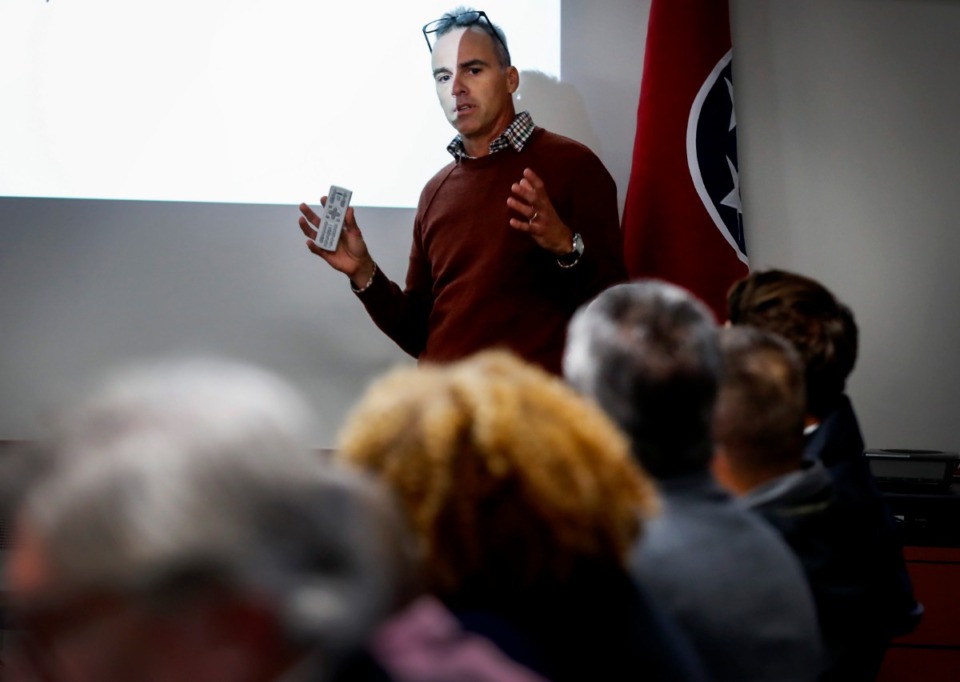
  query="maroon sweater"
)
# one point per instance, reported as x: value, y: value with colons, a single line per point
x: 474, y: 282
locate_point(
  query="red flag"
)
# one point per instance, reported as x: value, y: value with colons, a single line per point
x: 682, y: 220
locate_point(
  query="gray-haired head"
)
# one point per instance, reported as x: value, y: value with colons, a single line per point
x: 174, y: 478
x: 647, y: 352
x: 474, y: 20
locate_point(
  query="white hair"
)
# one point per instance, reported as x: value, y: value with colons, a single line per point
x: 201, y: 467
x: 647, y: 352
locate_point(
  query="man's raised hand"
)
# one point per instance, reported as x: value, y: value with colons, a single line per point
x: 539, y: 219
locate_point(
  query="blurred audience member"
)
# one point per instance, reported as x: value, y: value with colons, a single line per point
x: 20, y: 466
x: 648, y: 353
x: 525, y: 501
x: 758, y: 434
x: 184, y: 531
x: 825, y: 334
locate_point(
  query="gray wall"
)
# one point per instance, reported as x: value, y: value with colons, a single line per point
x: 845, y: 111
x: 847, y: 117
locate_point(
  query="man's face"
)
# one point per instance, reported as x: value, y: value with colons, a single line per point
x: 476, y: 93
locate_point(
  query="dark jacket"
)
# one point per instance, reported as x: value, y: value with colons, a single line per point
x: 855, y: 587
x: 597, y: 625
x: 838, y: 443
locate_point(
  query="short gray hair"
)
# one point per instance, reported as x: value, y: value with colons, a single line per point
x: 199, y: 472
x: 453, y: 19
x: 648, y: 353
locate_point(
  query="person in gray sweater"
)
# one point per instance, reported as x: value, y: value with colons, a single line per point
x: 648, y: 353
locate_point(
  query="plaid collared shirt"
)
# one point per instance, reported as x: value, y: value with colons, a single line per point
x: 516, y: 135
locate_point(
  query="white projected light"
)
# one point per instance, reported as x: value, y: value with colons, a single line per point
x: 232, y: 101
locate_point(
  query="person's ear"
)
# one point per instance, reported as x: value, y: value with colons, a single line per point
x: 513, y: 79
x: 720, y: 466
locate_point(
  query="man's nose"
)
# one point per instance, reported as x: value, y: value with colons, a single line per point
x: 458, y: 87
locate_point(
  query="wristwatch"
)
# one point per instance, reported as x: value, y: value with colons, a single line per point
x: 568, y: 260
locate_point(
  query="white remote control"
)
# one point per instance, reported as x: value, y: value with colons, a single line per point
x: 331, y: 222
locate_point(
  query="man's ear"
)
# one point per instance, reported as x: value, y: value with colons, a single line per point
x: 720, y: 466
x: 513, y: 79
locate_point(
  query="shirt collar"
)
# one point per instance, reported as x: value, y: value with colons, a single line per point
x: 515, y: 135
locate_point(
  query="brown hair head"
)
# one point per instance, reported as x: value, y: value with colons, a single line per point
x: 758, y: 420
x: 804, y: 312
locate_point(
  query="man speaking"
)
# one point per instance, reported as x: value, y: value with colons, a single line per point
x: 509, y: 238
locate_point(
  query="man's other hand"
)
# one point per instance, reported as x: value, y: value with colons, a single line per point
x: 538, y: 217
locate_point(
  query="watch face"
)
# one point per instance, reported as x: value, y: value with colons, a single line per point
x: 577, y: 244
x: 568, y: 260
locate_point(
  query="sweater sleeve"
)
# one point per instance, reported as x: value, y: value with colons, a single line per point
x: 403, y: 315
x: 590, y: 208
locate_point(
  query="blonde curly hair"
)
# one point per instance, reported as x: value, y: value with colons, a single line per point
x: 509, y: 476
